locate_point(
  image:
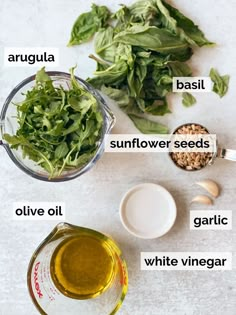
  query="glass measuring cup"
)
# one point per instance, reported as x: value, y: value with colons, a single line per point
x: 227, y: 154
x: 47, y: 295
x: 9, y: 124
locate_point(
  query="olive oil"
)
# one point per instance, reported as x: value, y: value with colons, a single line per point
x: 82, y: 266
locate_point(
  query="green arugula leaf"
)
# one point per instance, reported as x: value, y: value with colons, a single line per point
x: 56, y: 125
x: 15, y: 141
x: 81, y: 160
x: 42, y: 76
x: 221, y: 83
x: 188, y: 99
x: 61, y: 151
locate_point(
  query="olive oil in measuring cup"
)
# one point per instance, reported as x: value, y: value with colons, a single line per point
x: 82, y: 267
x: 76, y: 270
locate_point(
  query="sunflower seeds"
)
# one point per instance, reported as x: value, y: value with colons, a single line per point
x: 191, y: 161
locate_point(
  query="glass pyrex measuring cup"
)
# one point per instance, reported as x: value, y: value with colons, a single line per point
x: 227, y: 154
x: 59, y: 280
x: 9, y: 124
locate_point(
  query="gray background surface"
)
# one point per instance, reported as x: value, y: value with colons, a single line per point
x: 93, y: 200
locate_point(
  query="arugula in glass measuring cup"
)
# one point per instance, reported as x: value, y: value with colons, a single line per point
x: 58, y: 128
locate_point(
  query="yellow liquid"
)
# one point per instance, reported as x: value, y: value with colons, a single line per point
x: 82, y: 267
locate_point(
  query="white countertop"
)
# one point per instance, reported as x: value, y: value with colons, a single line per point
x: 93, y: 199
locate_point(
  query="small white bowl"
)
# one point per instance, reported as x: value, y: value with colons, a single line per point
x: 148, y: 211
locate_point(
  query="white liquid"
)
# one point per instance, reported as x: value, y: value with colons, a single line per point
x: 148, y: 211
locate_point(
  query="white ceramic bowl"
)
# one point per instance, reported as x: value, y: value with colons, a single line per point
x: 148, y: 211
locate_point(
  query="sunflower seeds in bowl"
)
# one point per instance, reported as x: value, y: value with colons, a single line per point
x: 191, y: 161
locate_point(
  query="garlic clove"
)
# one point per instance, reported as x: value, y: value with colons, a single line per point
x: 202, y: 199
x: 211, y: 186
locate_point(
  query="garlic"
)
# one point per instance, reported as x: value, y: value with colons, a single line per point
x: 202, y: 199
x: 211, y: 186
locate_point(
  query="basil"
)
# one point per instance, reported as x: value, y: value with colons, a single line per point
x: 140, y: 49
x: 188, y: 99
x: 148, y: 126
x: 221, y: 83
x: 88, y: 24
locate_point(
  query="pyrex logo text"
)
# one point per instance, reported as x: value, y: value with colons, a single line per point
x: 36, y: 282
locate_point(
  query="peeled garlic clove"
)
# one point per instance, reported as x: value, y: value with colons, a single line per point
x: 211, y: 186
x: 202, y: 199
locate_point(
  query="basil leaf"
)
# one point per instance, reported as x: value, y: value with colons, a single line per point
x: 115, y: 74
x: 166, y: 20
x: 143, y: 10
x: 179, y: 69
x: 135, y: 79
x: 221, y: 83
x: 120, y: 96
x: 150, y: 37
x: 163, y: 76
x: 123, y: 19
x: 101, y: 64
x: 188, y: 99
x: 148, y: 126
x: 163, y: 82
x: 87, y: 24
x: 158, y: 108
x: 104, y: 45
x: 125, y: 53
x: 192, y: 32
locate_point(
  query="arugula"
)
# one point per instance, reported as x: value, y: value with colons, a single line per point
x: 188, y: 99
x: 221, y: 83
x: 58, y: 128
x: 140, y: 49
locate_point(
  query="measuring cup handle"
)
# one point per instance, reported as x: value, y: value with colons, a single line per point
x: 227, y: 154
x: 110, y: 117
x: 1, y: 132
